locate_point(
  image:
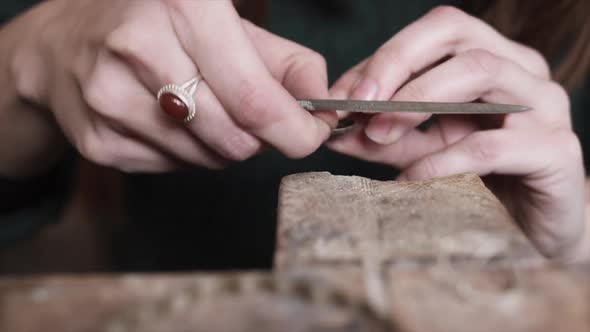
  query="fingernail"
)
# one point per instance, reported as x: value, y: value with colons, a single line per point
x: 342, y: 114
x: 338, y: 94
x: 365, y: 89
x: 384, y: 132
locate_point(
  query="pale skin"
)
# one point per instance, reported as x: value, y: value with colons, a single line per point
x: 88, y: 71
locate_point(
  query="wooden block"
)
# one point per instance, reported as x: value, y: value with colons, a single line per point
x: 445, y: 257
x: 442, y: 299
x: 476, y: 298
x: 324, y: 218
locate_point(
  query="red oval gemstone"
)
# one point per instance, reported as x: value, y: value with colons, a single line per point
x: 173, y: 106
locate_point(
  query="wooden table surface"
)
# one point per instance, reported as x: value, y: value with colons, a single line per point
x: 353, y: 255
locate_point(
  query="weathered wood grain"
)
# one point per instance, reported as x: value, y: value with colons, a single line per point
x: 450, y: 257
x: 472, y: 298
x: 486, y: 300
x: 207, y: 303
x: 325, y: 218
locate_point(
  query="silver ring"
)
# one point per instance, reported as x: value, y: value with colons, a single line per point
x: 177, y: 100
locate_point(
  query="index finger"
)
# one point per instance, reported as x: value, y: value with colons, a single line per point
x: 300, y: 70
x: 212, y: 34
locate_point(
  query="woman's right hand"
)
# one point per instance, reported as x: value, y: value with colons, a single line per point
x: 97, y: 65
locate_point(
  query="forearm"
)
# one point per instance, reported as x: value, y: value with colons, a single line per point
x: 30, y: 141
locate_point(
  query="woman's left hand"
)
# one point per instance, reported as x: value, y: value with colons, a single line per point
x: 532, y: 160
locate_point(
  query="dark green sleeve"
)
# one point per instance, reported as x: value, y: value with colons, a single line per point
x: 26, y: 205
x: 11, y: 8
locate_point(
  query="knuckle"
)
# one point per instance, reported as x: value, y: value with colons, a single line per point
x: 539, y: 63
x: 102, y: 95
x: 428, y: 168
x: 128, y: 41
x: 556, y: 106
x: 25, y: 84
x: 560, y: 96
x: 414, y: 92
x: 484, y: 62
x: 305, y: 147
x: 93, y: 94
x: 99, y: 96
x: 300, y: 63
x: 448, y: 14
x: 569, y: 144
x: 252, y: 110
x: 239, y: 147
x: 391, y: 53
x: 120, y: 40
x: 94, y: 148
x: 484, y: 147
x: 316, y: 59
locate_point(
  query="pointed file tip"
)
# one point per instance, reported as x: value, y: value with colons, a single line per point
x: 524, y: 108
